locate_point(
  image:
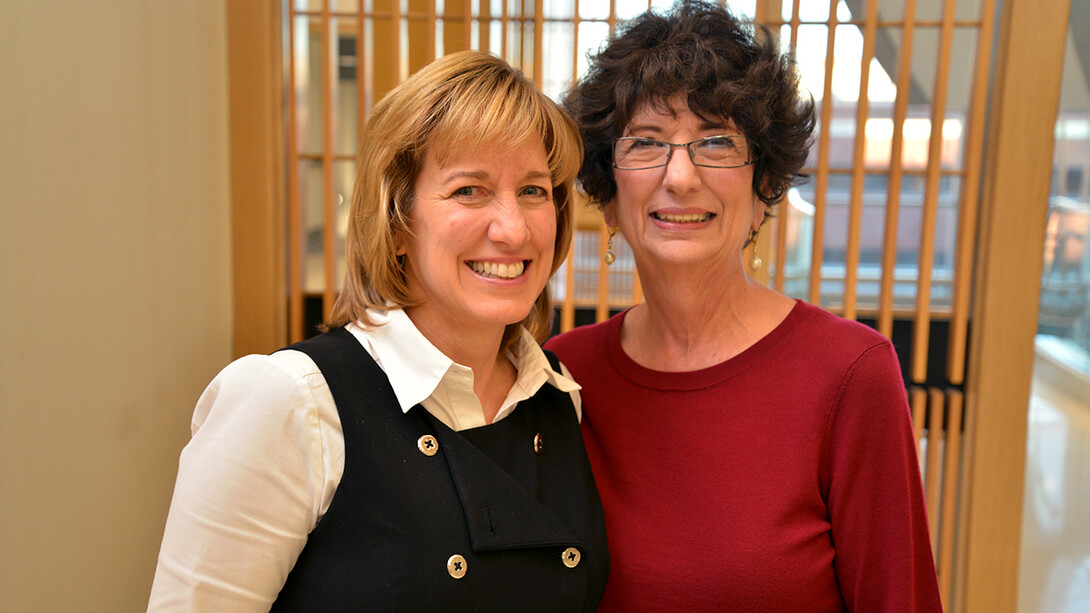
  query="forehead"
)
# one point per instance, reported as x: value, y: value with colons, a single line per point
x: 674, y: 113
x: 487, y: 158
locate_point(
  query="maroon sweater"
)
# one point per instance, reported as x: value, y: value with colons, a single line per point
x: 784, y: 479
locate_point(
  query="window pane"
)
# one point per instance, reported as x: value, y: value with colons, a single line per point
x: 557, y: 65
x: 308, y: 84
x: 345, y: 91
x: 559, y: 9
x: 310, y: 192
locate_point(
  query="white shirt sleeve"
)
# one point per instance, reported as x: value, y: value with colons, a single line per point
x: 266, y: 455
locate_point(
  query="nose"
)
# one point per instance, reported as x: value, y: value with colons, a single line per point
x: 682, y: 175
x: 508, y: 225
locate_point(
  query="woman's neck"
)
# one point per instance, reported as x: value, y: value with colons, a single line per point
x: 482, y: 352
x: 696, y: 318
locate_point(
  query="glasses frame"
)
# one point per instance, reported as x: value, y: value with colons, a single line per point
x: 688, y: 147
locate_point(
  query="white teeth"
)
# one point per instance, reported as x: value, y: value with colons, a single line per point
x: 499, y: 271
x: 683, y: 218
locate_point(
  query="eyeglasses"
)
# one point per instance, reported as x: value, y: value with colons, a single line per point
x: 638, y: 152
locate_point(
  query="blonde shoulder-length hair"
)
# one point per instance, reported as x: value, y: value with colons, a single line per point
x: 467, y: 99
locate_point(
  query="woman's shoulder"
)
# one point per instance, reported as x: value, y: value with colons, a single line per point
x: 823, y: 326
x: 260, y: 384
x: 284, y: 367
x: 826, y: 342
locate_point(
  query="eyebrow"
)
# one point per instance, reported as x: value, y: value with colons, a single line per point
x: 480, y: 175
x: 466, y: 174
x: 704, y: 125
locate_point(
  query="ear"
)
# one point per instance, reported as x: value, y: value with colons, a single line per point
x: 759, y: 212
x: 609, y: 212
x: 400, y: 247
x: 759, y: 207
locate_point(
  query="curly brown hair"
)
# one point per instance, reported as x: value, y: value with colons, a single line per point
x: 722, y: 67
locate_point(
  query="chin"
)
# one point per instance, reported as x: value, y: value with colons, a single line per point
x: 505, y: 315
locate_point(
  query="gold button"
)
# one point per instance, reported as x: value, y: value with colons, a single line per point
x: 571, y: 557
x: 456, y: 566
x: 539, y: 443
x: 427, y: 444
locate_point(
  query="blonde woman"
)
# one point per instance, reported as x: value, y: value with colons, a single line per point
x: 424, y: 452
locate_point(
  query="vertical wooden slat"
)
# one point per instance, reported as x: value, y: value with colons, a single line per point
x: 575, y: 43
x: 522, y: 61
x: 504, y: 20
x: 256, y: 82
x: 467, y: 23
x: 386, y: 63
x: 420, y: 27
x: 921, y: 329
x: 896, y: 172
x: 484, y: 25
x: 918, y: 402
x: 601, y: 312
x: 859, y: 170
x: 796, y: 21
x: 329, y: 41
x: 429, y: 38
x: 363, y: 73
x: 969, y: 201
x: 1006, y: 292
x: 401, y: 63
x: 822, y: 184
x: 454, y: 20
x: 295, y: 253
x: 950, y: 484
x: 567, y: 310
x: 936, y: 411
x: 763, y: 12
x: 961, y: 528
x: 539, y: 43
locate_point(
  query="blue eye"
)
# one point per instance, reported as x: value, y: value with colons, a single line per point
x: 535, y: 193
x: 643, y: 143
x: 467, y: 191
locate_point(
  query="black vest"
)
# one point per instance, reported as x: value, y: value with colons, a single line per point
x: 515, y: 499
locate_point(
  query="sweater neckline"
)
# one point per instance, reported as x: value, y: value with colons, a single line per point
x: 704, y: 377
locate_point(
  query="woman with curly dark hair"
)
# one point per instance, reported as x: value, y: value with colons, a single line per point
x: 752, y: 452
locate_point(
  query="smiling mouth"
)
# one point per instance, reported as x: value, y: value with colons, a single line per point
x: 493, y: 270
x: 694, y: 218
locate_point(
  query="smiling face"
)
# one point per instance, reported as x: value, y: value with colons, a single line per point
x: 483, y: 232
x: 683, y: 214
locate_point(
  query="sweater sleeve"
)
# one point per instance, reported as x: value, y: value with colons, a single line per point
x: 252, y: 483
x: 871, y: 474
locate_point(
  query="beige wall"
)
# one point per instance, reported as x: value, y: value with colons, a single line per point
x: 115, y: 305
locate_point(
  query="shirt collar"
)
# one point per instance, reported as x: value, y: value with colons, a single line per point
x: 416, y: 368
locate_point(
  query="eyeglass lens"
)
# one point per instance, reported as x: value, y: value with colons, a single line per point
x: 716, y: 151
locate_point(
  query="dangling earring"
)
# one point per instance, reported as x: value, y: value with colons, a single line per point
x: 756, y: 261
x: 609, y: 257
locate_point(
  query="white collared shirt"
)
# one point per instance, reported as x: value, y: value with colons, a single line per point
x: 267, y: 454
x: 421, y: 374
